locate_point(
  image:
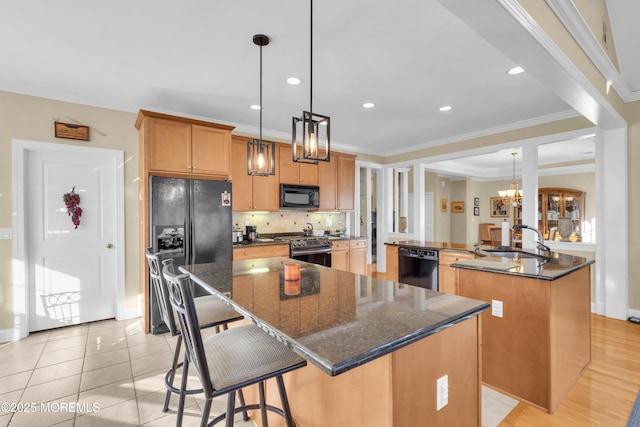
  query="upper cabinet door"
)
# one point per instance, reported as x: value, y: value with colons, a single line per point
x: 293, y: 172
x: 327, y: 176
x: 210, y: 150
x: 241, y: 183
x: 346, y: 182
x: 170, y: 149
x: 287, y: 169
x: 178, y: 145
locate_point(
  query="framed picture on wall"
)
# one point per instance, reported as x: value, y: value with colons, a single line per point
x: 444, y: 205
x: 457, y: 207
x: 476, y: 211
x: 476, y: 201
x: 499, y: 207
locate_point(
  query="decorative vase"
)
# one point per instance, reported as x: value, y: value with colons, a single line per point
x: 565, y: 229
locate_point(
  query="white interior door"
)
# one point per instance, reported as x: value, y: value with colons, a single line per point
x: 72, y: 272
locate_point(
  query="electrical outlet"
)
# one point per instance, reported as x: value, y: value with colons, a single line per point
x: 442, y: 392
x: 496, y: 308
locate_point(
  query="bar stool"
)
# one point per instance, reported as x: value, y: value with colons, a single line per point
x: 212, y: 312
x: 234, y: 359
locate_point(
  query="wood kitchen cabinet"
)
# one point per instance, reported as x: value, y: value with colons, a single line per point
x: 346, y: 181
x: 293, y: 172
x: 176, y: 147
x: 349, y: 255
x: 392, y: 263
x: 337, y: 182
x: 447, y: 275
x: 184, y: 146
x: 251, y: 193
x: 266, y: 251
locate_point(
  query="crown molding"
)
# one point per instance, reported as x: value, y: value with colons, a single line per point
x: 569, y: 114
x: 570, y: 17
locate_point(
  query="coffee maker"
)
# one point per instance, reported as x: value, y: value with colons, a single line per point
x: 252, y: 233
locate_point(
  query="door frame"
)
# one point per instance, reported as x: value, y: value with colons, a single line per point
x: 21, y: 294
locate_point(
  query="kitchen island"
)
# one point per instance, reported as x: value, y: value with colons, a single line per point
x: 375, y: 349
x: 537, y: 336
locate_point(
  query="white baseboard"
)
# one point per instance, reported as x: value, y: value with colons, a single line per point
x: 7, y: 335
x: 129, y: 313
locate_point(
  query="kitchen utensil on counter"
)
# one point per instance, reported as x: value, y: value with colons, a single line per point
x: 251, y: 233
x: 237, y: 236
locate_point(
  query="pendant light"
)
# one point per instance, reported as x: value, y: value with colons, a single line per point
x: 513, y: 194
x: 313, y: 127
x: 261, y: 154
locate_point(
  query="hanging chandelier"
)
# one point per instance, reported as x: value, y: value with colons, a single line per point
x: 313, y: 128
x: 261, y: 154
x: 513, y: 194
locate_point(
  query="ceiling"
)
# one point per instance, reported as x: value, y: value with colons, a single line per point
x: 409, y: 57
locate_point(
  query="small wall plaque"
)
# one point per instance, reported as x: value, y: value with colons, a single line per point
x: 71, y: 131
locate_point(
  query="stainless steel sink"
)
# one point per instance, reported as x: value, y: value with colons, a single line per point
x: 513, y: 254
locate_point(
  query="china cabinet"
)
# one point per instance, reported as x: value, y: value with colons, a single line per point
x: 560, y: 214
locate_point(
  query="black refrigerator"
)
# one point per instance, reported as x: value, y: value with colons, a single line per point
x: 191, y: 222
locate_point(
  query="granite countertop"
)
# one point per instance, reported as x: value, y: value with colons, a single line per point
x: 551, y: 266
x: 335, y: 319
x: 269, y: 240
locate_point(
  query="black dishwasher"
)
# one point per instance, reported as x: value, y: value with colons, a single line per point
x: 418, y: 267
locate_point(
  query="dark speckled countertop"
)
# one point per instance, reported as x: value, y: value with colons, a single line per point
x: 552, y: 266
x: 335, y: 319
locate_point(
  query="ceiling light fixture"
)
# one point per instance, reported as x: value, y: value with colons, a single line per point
x: 254, y: 107
x: 314, y: 146
x: 368, y: 105
x: 293, y: 81
x: 261, y: 154
x: 445, y: 108
x: 513, y: 194
x: 515, y: 70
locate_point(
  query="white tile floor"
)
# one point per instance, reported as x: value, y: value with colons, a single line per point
x: 114, y: 373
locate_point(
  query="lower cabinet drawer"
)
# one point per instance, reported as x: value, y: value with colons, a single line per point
x: 260, y: 252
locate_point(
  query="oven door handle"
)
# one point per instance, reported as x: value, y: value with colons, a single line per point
x: 310, y: 251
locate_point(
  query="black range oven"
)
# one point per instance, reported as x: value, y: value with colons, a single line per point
x: 316, y: 250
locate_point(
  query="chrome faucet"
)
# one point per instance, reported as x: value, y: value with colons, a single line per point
x: 541, y: 245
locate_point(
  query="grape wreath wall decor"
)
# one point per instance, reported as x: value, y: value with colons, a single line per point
x: 72, y: 203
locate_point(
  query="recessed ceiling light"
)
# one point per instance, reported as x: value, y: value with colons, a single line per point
x: 254, y: 107
x: 368, y: 105
x: 515, y: 70
x: 445, y: 108
x: 293, y: 81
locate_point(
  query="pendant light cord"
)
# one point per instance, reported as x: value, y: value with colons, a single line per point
x: 311, y: 62
x: 260, y: 93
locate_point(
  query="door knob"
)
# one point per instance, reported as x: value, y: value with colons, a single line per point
x: 109, y: 245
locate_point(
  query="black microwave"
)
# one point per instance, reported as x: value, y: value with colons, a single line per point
x: 299, y: 196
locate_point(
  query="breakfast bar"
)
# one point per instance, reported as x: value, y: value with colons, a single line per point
x: 375, y: 348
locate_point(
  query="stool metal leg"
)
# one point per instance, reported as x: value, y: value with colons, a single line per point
x: 205, y: 413
x: 245, y: 414
x: 263, y: 409
x: 172, y: 376
x: 231, y: 406
x: 285, y: 402
x: 183, y: 387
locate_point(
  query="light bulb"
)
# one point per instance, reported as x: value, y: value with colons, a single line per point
x: 261, y: 162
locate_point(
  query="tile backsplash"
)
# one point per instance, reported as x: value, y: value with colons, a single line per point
x: 290, y: 221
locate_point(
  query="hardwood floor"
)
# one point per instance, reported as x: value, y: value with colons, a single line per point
x: 605, y: 393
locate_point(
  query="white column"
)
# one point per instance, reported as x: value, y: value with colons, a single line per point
x: 530, y: 195
x: 612, y: 240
